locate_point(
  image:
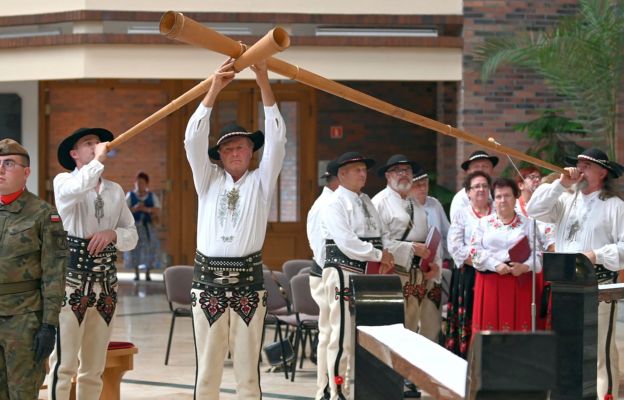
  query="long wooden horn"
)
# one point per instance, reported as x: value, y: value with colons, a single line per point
x: 274, y: 41
x: 179, y: 27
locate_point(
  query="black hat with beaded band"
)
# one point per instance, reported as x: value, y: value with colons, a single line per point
x: 67, y: 145
x: 397, y: 159
x: 599, y: 157
x: 479, y: 155
x: 233, y: 130
x: 420, y: 174
x: 331, y: 166
x: 348, y: 158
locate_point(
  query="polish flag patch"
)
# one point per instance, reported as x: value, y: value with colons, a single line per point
x: 55, y: 218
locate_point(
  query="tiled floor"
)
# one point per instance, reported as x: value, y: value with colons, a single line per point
x: 143, y: 317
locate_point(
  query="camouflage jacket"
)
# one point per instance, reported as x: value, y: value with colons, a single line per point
x: 32, y: 246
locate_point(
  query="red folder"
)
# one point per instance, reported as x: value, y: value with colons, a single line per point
x: 373, y: 267
x: 433, y: 241
x: 521, y: 251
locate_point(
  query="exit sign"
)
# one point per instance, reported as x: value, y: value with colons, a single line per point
x: 335, y: 132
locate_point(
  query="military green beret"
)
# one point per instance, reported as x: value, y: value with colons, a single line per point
x: 9, y: 147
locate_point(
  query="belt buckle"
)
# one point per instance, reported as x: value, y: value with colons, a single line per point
x: 226, y: 274
x: 226, y: 280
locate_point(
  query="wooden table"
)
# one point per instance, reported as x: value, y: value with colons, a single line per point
x: 611, y: 292
x: 421, y: 367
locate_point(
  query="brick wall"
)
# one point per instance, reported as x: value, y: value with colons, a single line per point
x: 376, y: 135
x: 116, y: 107
x: 512, y: 95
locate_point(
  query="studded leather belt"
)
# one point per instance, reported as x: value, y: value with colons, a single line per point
x: 228, y: 272
x: 336, y: 258
x: 403, y: 270
x: 316, y: 270
x: 81, y: 261
x: 604, y: 275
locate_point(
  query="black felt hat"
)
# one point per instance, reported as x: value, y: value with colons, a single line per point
x: 64, y: 158
x: 331, y: 166
x: 397, y: 159
x: 348, y: 158
x: 478, y: 155
x: 599, y: 157
x: 232, y: 130
x: 420, y: 174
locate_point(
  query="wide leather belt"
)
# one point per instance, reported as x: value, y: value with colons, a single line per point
x: 316, y: 270
x: 228, y: 272
x: 20, y: 287
x: 336, y: 258
x: 604, y: 275
x: 402, y: 270
x: 81, y: 261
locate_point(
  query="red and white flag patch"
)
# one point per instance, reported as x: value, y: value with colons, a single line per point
x: 55, y: 218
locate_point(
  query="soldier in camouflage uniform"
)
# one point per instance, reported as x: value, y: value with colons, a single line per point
x: 33, y: 253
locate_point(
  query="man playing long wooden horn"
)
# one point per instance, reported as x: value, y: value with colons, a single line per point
x: 590, y: 221
x: 229, y: 300
x: 98, y: 223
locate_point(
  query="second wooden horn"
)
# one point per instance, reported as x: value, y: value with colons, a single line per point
x: 274, y: 41
x: 175, y: 26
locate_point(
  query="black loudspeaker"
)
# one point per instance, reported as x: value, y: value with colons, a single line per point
x: 575, y: 321
x: 512, y: 365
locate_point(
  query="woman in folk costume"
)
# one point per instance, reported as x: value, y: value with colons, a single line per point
x: 145, y: 207
x: 459, y: 309
x: 502, y: 293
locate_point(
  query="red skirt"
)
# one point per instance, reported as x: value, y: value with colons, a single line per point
x: 502, y: 302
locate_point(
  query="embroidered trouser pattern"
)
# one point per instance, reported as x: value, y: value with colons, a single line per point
x: 339, y: 335
x: 228, y: 320
x: 608, y: 357
x: 318, y: 294
x: 85, y: 327
x: 422, y: 304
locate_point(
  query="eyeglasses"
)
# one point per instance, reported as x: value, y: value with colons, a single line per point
x: 9, y: 164
x: 533, y: 177
x: 480, y: 186
x: 401, y: 171
x: 504, y: 197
